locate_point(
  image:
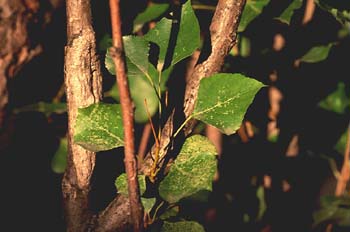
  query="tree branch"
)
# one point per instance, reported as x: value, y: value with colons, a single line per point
x: 83, y: 82
x: 127, y: 116
x: 223, y: 30
x: 344, y: 177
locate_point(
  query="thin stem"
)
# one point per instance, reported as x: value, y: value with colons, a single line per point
x: 309, y: 11
x: 143, y: 144
x: 127, y: 116
x: 203, y: 7
x: 182, y: 125
x: 59, y: 94
x: 345, y: 171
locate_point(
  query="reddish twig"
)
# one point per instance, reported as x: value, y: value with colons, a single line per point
x: 345, y: 171
x: 143, y: 144
x: 127, y: 116
x: 309, y: 11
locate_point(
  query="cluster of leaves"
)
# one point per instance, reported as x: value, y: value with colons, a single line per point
x: 333, y: 210
x: 222, y: 102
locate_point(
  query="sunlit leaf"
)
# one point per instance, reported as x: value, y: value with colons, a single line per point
x: 252, y: 9
x: 148, y: 203
x: 192, y: 171
x: 223, y: 100
x: 59, y: 160
x: 99, y: 127
x: 188, y: 226
x: 317, y: 54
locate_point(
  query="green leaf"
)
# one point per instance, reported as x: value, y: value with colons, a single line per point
x: 260, y: 194
x: 141, y: 89
x: 105, y: 43
x: 188, y: 226
x: 251, y: 10
x: 192, y: 171
x: 59, y: 160
x: 287, y: 14
x: 44, y: 107
x: 333, y: 210
x: 223, y: 100
x: 341, y: 144
x: 317, y: 54
x: 188, y: 37
x: 122, y: 184
x: 337, y: 101
x: 148, y: 203
x: 169, y: 213
x: 136, y: 49
x: 99, y: 127
x: 141, y: 76
x: 340, y: 9
x: 152, y: 12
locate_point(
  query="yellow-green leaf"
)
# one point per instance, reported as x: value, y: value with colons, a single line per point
x: 99, y: 127
x: 183, y: 226
x: 223, y: 100
x: 192, y: 171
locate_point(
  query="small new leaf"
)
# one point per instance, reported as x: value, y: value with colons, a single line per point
x: 188, y: 226
x: 99, y: 127
x: 223, y: 100
x: 59, y: 160
x: 317, y: 54
x: 192, y: 171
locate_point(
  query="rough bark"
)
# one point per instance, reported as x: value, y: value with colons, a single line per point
x: 17, y: 46
x: 83, y: 81
x: 223, y: 34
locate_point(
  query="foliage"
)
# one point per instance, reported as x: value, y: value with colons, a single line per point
x: 223, y: 100
x: 99, y: 127
x: 192, y: 171
x: 59, y: 160
x: 252, y: 9
x: 333, y: 210
x: 337, y: 101
x: 317, y: 54
x: 152, y: 12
